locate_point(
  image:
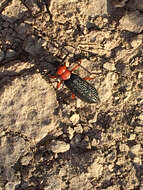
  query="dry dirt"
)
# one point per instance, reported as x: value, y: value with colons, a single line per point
x: 49, y: 141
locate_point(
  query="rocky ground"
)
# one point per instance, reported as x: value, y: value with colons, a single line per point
x: 49, y: 141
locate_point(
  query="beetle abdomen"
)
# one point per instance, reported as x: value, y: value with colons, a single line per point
x: 82, y: 89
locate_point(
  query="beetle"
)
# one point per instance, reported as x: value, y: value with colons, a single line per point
x: 78, y: 86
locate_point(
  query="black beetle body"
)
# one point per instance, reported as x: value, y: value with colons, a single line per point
x: 82, y: 89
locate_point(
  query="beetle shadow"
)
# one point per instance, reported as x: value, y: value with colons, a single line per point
x: 114, y: 10
x: 40, y: 58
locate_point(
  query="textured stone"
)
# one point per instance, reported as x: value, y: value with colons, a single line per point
x: 59, y: 146
x: 132, y: 21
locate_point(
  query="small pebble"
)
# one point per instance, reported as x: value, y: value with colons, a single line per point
x: 132, y: 137
x: 109, y: 66
x: 78, y: 128
x: 136, y: 149
x: 74, y: 118
x: 70, y: 132
x: 59, y: 146
x: 124, y: 148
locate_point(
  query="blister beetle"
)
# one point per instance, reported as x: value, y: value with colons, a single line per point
x: 78, y: 86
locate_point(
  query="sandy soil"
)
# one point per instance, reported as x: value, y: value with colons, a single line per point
x: 49, y: 141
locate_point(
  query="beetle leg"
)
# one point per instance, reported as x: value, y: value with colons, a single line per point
x: 59, y: 84
x: 52, y: 76
x: 76, y: 67
x: 88, y: 78
x: 73, y: 96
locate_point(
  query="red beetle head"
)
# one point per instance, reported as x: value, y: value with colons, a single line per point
x: 61, y: 70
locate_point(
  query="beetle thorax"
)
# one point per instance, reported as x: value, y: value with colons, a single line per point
x: 66, y: 75
x: 63, y: 73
